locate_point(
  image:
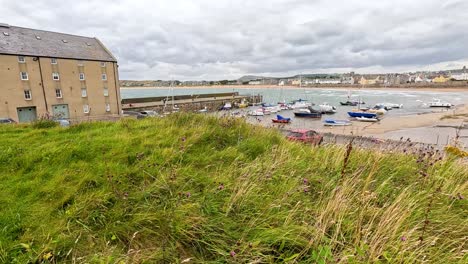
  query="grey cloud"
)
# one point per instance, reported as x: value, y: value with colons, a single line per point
x: 207, y: 39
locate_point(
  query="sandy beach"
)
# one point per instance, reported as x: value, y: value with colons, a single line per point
x: 394, y: 123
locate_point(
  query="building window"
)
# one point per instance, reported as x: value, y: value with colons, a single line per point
x: 82, y: 76
x: 55, y: 76
x: 27, y: 95
x: 84, y: 92
x: 106, y: 91
x: 53, y: 61
x: 107, y: 107
x: 104, y: 77
x: 21, y: 59
x: 86, y: 109
x: 24, y: 76
x: 103, y: 64
x: 58, y: 93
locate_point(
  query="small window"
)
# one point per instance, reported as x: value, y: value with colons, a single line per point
x: 104, y: 77
x: 27, y: 95
x: 107, y: 107
x: 55, y: 76
x: 53, y: 61
x: 85, y: 108
x: 106, y: 91
x: 58, y: 93
x: 84, y: 92
x: 82, y: 77
x: 24, y: 76
x: 103, y: 64
x: 21, y: 59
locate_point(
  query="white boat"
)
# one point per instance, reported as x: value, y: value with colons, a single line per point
x: 273, y: 109
x: 439, y: 103
x: 299, y: 105
x: 367, y: 119
x: 391, y: 105
x: 325, y: 108
x: 204, y: 110
x: 332, y: 122
x: 257, y: 112
x: 227, y: 106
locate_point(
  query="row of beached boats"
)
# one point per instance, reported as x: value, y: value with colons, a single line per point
x: 303, y: 109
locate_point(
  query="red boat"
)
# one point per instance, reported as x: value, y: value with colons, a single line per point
x: 282, y: 120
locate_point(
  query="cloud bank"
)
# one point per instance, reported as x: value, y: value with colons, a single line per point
x: 221, y: 39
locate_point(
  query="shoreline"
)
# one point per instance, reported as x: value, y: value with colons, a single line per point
x: 266, y: 87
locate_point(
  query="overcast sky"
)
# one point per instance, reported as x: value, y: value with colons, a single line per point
x: 221, y: 39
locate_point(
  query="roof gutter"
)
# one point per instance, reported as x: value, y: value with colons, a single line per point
x: 58, y: 57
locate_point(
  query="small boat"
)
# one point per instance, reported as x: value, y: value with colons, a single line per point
x: 325, y: 108
x: 257, y: 112
x: 389, y: 106
x: 352, y: 103
x: 380, y: 110
x: 362, y: 114
x: 332, y: 122
x: 308, y: 112
x: 438, y: 103
x: 273, y: 109
x: 226, y: 106
x: 204, y: 110
x: 299, y: 104
x: 367, y: 119
x: 243, y: 104
x: 281, y: 119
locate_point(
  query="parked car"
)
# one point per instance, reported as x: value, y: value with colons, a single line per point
x: 149, y: 113
x: 306, y: 136
x: 137, y: 115
x: 7, y: 121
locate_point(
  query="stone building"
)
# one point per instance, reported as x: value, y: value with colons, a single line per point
x: 49, y: 74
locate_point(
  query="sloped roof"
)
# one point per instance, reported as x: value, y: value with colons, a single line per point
x: 40, y: 43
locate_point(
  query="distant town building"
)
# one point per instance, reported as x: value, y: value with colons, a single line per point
x: 256, y: 82
x: 328, y: 81
x: 440, y: 79
x: 459, y: 75
x: 65, y: 76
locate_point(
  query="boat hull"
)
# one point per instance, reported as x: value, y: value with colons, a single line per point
x: 366, y: 119
x: 309, y: 115
x: 362, y: 114
x: 281, y: 121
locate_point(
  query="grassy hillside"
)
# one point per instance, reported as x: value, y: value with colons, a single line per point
x: 195, y: 189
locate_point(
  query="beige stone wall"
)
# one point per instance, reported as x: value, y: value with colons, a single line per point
x: 12, y: 87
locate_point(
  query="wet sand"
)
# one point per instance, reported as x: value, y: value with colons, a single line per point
x: 388, y: 124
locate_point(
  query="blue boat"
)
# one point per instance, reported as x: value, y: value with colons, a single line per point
x: 362, y: 114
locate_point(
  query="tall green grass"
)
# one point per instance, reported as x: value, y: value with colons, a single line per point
x: 197, y: 189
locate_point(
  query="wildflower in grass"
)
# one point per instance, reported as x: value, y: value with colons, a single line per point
x: 183, y: 139
x: 188, y: 194
x: 221, y: 187
x: 232, y: 253
x: 305, y: 181
x: 460, y: 196
x: 403, y: 238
